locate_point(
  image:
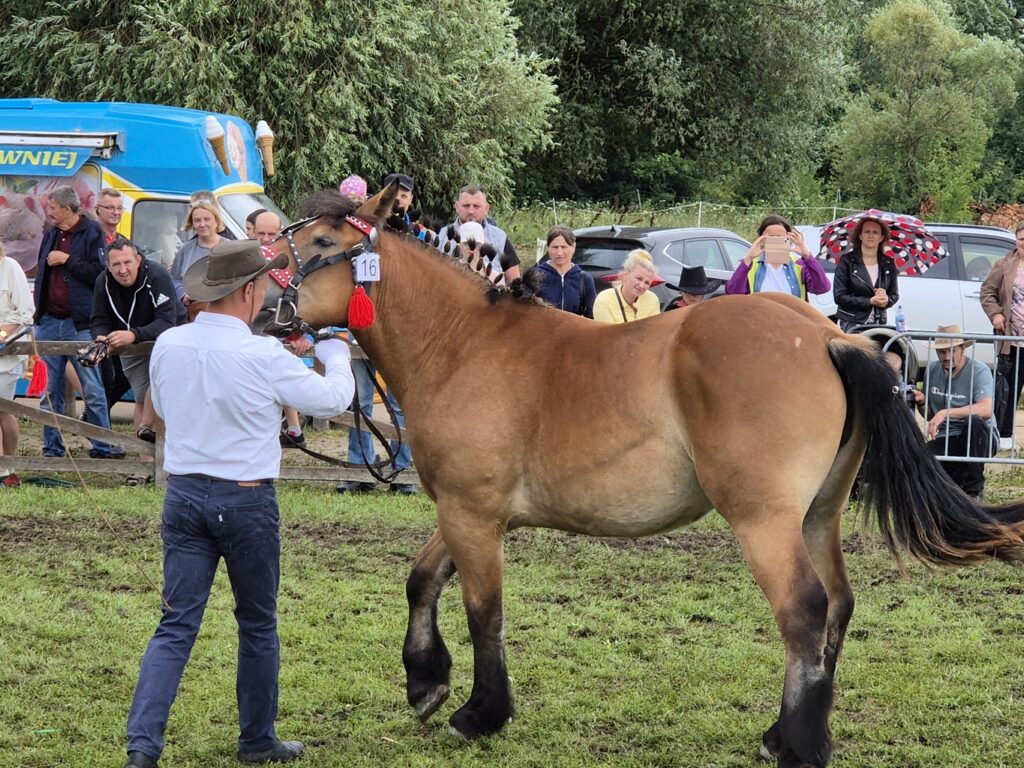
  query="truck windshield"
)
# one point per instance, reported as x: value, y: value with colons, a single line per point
x: 240, y: 205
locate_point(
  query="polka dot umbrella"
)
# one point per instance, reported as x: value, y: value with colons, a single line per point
x: 911, y: 246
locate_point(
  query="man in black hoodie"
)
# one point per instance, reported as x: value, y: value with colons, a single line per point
x: 133, y: 302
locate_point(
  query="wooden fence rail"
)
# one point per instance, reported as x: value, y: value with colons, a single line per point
x: 323, y: 473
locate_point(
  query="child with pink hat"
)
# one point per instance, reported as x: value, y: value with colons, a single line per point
x: 354, y: 187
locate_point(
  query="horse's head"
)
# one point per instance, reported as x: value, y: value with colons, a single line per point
x: 321, y: 248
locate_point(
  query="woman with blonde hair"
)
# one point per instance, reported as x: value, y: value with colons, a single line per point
x: 205, y: 221
x: 629, y: 299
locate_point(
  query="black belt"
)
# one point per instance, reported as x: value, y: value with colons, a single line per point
x: 243, y: 483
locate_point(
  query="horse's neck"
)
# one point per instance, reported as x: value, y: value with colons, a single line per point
x: 422, y: 304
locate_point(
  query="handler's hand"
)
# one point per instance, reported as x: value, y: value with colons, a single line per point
x: 56, y: 258
x: 999, y: 323
x: 332, y: 350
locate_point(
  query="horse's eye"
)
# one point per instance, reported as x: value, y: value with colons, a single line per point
x: 323, y: 242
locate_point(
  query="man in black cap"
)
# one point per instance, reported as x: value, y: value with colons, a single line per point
x: 693, y: 287
x: 220, y: 390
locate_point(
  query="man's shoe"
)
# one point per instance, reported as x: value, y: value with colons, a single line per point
x: 406, y: 489
x: 356, y: 486
x: 289, y: 440
x: 10, y: 481
x: 96, y: 453
x: 140, y: 760
x: 281, y: 752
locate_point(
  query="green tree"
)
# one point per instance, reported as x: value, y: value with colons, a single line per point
x: 919, y: 128
x: 365, y: 87
x: 695, y: 96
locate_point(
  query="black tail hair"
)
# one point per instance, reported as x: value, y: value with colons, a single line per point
x: 917, y: 506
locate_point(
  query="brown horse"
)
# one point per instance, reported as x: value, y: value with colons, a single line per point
x: 521, y: 415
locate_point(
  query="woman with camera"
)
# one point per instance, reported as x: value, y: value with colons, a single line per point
x: 865, y: 284
x: 796, y: 272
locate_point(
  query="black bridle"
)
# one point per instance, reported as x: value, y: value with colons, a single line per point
x: 286, y: 318
x: 289, y: 301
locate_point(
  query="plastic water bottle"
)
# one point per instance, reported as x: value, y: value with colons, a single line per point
x: 901, y: 319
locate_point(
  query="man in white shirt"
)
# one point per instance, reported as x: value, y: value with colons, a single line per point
x: 220, y: 390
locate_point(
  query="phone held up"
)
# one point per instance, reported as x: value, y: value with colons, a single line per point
x: 776, y: 249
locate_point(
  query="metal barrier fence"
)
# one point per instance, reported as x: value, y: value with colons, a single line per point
x: 941, y: 385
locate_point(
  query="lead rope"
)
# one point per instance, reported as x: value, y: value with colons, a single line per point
x: 88, y: 492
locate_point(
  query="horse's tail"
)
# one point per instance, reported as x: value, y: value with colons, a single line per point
x: 918, y: 507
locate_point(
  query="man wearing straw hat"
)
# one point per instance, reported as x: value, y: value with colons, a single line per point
x: 220, y: 390
x: 959, y: 401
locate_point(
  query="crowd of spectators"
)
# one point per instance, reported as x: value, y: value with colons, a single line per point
x: 92, y: 283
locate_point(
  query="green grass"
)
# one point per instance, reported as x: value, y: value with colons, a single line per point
x: 656, y: 652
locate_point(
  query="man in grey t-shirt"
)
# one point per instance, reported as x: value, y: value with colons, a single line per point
x: 959, y: 401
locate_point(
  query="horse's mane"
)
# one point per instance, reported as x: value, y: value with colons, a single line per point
x: 331, y: 205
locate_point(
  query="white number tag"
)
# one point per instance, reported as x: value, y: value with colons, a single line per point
x: 368, y: 268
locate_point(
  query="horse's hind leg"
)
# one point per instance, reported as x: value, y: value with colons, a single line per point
x: 775, y: 550
x: 427, y: 661
x: 823, y: 539
x: 477, y: 547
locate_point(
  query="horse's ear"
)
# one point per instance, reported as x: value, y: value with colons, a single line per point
x: 379, y: 207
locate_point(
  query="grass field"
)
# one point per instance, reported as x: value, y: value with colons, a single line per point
x: 655, y: 652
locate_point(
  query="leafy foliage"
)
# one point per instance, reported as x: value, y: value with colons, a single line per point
x: 347, y: 86
x: 684, y: 97
x: 917, y: 132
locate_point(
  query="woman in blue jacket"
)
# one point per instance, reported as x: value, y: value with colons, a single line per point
x: 563, y: 284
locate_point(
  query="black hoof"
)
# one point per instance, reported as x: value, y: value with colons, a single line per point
x: 770, y: 744
x: 429, y: 702
x: 472, y: 724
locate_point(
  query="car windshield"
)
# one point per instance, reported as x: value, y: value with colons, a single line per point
x: 596, y: 255
x: 240, y: 205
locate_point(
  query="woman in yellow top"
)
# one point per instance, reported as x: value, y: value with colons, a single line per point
x: 630, y: 298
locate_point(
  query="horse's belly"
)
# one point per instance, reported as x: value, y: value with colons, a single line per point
x: 625, y: 505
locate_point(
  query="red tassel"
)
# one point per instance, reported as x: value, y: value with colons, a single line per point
x: 360, y: 310
x: 37, y: 384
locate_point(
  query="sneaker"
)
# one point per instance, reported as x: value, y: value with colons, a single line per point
x: 140, y: 760
x: 356, y: 486
x: 1005, y: 443
x: 288, y: 440
x: 10, y: 481
x: 406, y: 489
x: 281, y: 752
x: 96, y: 453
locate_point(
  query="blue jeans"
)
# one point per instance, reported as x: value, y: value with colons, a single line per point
x: 360, y: 444
x: 52, y: 328
x: 203, y: 521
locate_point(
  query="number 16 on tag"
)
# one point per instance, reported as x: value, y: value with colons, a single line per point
x: 368, y: 268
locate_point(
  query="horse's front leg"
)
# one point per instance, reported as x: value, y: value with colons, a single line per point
x: 427, y: 661
x: 476, y: 544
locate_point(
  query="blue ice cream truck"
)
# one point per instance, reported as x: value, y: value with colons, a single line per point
x: 156, y: 156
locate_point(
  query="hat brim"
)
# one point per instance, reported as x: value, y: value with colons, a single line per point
x: 197, y: 289
x: 949, y: 343
x: 711, y: 286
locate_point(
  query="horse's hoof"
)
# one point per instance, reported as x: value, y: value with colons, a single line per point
x: 430, y: 703
x: 765, y: 754
x: 468, y: 724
